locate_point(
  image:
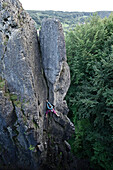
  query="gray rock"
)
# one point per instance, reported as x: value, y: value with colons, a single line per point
x: 52, y: 48
x: 27, y: 78
x: 57, y: 75
x: 20, y: 66
x: 54, y: 59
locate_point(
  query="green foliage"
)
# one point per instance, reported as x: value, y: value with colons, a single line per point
x: 2, y: 84
x: 31, y: 148
x: 13, y: 97
x: 18, y: 102
x: 60, y: 154
x: 6, y: 40
x: 68, y: 19
x: 90, y: 97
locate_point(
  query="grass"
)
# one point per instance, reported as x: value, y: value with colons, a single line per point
x: 13, y: 97
x: 31, y: 148
x: 5, y: 41
x: 2, y: 84
x: 17, y: 103
x: 6, y: 94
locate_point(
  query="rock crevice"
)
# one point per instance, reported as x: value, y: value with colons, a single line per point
x: 32, y: 70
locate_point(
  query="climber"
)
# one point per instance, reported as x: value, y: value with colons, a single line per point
x: 50, y: 108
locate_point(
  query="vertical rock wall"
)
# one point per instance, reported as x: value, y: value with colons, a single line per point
x: 57, y: 75
x: 27, y: 78
x: 54, y: 61
x: 23, y: 85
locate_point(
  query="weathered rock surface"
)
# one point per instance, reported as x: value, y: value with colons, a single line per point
x: 54, y: 61
x: 27, y: 78
x: 20, y: 66
x: 57, y: 75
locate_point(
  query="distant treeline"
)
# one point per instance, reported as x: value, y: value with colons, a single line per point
x: 68, y: 19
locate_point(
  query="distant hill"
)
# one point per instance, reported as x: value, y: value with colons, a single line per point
x: 68, y: 19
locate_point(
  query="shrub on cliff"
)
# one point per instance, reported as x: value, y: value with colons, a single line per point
x: 90, y: 97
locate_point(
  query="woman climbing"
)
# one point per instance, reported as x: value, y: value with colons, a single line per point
x: 50, y: 108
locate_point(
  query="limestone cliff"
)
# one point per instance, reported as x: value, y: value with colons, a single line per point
x: 32, y: 70
x: 57, y: 75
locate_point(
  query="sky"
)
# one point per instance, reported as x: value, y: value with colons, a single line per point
x: 68, y: 5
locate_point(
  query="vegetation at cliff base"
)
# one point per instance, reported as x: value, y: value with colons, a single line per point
x: 90, y: 97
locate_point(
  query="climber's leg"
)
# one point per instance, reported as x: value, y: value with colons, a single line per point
x: 55, y: 112
x: 47, y: 112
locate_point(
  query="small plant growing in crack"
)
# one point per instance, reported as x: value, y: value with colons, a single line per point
x: 6, y: 40
x: 31, y: 148
x: 2, y: 84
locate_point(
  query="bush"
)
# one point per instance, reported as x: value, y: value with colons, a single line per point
x: 90, y: 97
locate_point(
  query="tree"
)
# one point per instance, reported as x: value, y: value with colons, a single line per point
x: 90, y: 97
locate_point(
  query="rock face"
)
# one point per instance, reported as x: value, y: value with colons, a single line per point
x: 28, y: 77
x: 54, y: 61
x: 20, y: 66
x: 57, y: 75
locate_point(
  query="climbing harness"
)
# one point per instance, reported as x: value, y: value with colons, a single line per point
x: 50, y: 108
